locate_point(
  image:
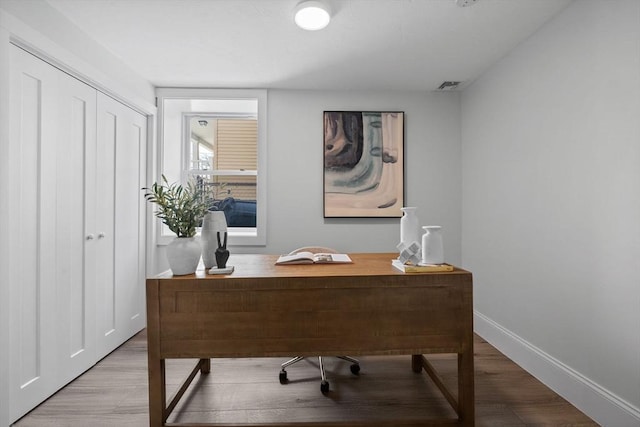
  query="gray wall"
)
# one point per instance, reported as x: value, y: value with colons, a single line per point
x: 551, y: 198
x: 432, y: 169
x: 295, y: 161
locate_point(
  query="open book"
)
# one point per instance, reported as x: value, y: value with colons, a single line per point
x: 311, y: 258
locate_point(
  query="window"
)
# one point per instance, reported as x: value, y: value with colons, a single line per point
x: 218, y: 139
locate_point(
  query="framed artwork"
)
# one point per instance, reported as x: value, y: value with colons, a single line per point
x: 363, y: 164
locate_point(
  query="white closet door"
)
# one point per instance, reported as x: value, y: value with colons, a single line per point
x: 76, y: 238
x: 53, y: 337
x: 120, y: 219
x: 32, y: 236
x: 76, y: 271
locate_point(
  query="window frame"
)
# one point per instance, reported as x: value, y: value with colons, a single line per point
x: 237, y: 236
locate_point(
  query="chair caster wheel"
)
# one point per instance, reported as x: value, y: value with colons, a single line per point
x: 324, y: 387
x: 283, y: 377
x: 355, y: 369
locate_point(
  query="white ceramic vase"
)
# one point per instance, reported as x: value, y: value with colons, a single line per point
x: 409, y: 226
x: 432, y: 247
x: 183, y: 254
x: 212, y: 223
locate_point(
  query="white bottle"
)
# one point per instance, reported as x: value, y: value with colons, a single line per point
x: 432, y: 247
x: 409, y: 226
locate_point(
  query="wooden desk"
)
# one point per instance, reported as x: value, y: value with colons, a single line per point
x: 264, y: 310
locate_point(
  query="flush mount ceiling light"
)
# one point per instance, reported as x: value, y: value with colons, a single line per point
x: 312, y: 15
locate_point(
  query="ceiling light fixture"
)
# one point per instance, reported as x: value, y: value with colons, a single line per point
x: 312, y: 15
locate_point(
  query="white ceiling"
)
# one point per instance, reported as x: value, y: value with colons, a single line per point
x: 369, y: 44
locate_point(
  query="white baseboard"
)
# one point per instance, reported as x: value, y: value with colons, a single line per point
x: 596, y: 402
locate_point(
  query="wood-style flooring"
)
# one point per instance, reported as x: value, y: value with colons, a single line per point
x: 114, y: 392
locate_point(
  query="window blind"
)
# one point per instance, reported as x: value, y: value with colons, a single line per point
x: 236, y: 144
x: 236, y: 148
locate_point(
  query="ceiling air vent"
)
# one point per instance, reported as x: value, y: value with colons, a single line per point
x: 465, y: 3
x: 448, y: 85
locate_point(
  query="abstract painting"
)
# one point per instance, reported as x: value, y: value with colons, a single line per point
x: 363, y: 164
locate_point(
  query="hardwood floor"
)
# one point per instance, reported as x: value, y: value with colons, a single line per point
x: 114, y: 392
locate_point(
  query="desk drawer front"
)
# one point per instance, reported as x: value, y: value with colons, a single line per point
x: 315, y: 321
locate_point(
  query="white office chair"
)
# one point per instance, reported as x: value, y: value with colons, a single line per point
x: 355, y: 364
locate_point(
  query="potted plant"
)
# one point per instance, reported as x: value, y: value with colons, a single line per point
x: 181, y: 208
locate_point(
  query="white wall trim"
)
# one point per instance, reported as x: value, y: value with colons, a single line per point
x: 261, y: 95
x: 5, y: 249
x: 598, y: 403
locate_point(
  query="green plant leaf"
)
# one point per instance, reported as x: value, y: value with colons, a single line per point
x: 180, y: 207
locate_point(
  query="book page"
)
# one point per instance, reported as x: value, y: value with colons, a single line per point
x: 299, y: 258
x: 327, y: 258
x: 311, y: 258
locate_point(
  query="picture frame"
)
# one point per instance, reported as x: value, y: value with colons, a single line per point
x: 363, y: 164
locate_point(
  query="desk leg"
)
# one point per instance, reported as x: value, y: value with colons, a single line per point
x: 416, y: 363
x: 466, y: 388
x: 155, y: 364
x: 464, y: 404
x: 205, y: 366
x: 157, y: 393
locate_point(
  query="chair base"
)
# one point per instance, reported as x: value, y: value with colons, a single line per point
x: 324, y: 384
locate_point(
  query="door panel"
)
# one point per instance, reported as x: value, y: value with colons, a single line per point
x: 76, y: 239
x: 105, y: 212
x: 32, y: 234
x: 121, y: 310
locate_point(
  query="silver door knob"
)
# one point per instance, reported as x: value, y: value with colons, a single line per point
x: 90, y: 236
x: 101, y: 236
